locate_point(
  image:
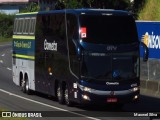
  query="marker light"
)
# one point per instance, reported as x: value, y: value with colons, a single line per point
x: 50, y: 70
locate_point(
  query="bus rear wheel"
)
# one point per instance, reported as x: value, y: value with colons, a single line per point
x: 25, y: 86
x: 28, y: 91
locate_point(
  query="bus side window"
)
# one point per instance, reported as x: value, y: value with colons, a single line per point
x: 15, y: 26
x: 26, y: 26
x: 32, y: 26
x: 20, y: 25
x: 72, y: 28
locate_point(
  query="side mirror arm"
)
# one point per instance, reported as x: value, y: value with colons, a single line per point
x: 145, y: 51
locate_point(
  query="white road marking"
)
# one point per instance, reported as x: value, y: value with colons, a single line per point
x: 47, y: 105
x: 9, y: 68
x: 3, y: 55
x: 5, y: 44
x: 1, y: 61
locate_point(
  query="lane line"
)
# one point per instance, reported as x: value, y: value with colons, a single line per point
x: 1, y: 61
x: 47, y: 105
x: 9, y: 68
x: 3, y: 55
x: 5, y: 44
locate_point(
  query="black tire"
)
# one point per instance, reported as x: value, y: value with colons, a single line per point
x: 25, y: 87
x: 66, y: 97
x: 28, y: 91
x: 60, y: 94
x: 23, y: 84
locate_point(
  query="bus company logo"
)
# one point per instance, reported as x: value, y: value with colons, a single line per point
x: 111, y: 48
x: 50, y: 46
x: 112, y: 83
x: 151, y: 41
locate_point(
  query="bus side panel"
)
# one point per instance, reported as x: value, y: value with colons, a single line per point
x: 73, y: 47
x: 51, y: 52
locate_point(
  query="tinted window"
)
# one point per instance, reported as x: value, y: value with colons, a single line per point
x: 72, y: 29
x: 25, y: 25
x: 109, y: 29
x: 117, y: 66
x: 15, y: 26
x: 32, y: 26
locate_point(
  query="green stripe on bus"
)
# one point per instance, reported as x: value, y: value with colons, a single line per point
x: 29, y: 13
x: 23, y: 56
x: 23, y: 37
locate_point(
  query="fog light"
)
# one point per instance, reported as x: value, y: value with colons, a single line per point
x: 85, y: 97
x: 135, y: 97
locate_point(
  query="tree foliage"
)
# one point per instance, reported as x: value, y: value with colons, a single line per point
x: 111, y: 4
x: 31, y: 7
x: 137, y: 6
x: 6, y: 25
x: 133, y: 7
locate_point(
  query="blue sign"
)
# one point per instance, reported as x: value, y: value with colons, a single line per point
x: 149, y: 33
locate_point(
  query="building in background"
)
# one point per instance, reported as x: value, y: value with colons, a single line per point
x: 14, y: 6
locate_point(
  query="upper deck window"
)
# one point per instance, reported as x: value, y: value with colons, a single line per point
x: 24, y: 26
x: 102, y: 29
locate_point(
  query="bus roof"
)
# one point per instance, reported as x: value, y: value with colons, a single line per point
x: 81, y: 11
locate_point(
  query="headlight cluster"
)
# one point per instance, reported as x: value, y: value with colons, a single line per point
x: 86, y: 89
x: 134, y: 89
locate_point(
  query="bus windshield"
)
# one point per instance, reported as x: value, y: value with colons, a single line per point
x: 103, y: 29
x: 110, y: 66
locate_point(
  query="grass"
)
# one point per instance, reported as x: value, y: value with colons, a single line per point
x: 2, y: 39
x: 150, y: 11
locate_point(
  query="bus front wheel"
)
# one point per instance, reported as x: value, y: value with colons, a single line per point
x: 66, y: 97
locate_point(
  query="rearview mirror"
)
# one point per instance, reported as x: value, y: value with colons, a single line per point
x: 145, y: 52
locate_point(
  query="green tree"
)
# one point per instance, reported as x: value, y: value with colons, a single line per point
x: 112, y: 4
x: 6, y: 25
x: 31, y: 7
x: 138, y: 6
x: 72, y: 4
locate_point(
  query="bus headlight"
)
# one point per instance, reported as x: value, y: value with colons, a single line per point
x: 134, y: 89
x: 86, y: 89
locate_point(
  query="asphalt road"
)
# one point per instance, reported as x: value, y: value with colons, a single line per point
x: 12, y: 99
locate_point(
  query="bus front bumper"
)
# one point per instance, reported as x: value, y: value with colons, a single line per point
x: 112, y: 97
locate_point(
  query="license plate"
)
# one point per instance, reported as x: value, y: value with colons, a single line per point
x: 111, y: 100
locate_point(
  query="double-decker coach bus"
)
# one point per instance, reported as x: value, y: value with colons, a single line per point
x: 82, y: 55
